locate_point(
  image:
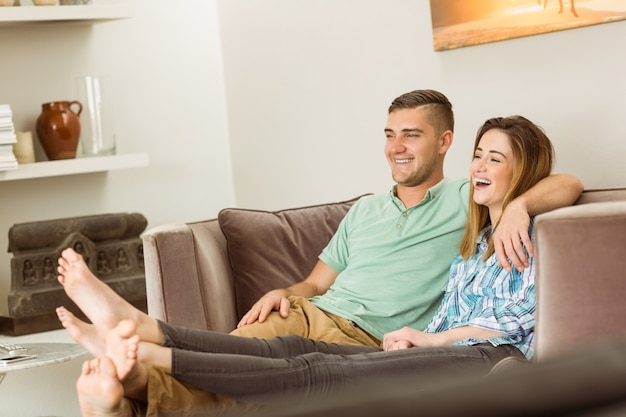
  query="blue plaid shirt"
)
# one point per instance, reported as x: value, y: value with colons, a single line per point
x: 482, y: 294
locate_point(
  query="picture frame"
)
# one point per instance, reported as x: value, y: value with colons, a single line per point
x: 461, y: 23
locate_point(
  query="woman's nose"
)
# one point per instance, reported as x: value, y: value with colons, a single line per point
x: 478, y: 165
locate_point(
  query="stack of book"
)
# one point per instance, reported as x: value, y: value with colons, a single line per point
x: 7, y: 139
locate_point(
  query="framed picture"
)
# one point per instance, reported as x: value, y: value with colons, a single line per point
x: 459, y: 23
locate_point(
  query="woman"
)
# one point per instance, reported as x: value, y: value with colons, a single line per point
x: 487, y: 314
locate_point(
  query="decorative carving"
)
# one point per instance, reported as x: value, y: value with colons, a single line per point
x: 109, y: 243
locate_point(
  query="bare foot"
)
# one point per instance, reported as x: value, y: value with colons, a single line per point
x: 125, y: 348
x: 122, y: 348
x: 100, y: 393
x: 84, y: 334
x: 103, y: 306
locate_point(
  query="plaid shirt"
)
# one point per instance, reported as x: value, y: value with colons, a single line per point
x: 482, y: 294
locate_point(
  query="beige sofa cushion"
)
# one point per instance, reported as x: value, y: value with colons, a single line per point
x: 270, y: 250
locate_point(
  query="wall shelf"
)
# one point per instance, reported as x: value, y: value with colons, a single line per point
x: 86, y: 13
x: 75, y: 166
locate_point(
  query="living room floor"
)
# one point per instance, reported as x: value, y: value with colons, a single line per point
x: 43, y: 391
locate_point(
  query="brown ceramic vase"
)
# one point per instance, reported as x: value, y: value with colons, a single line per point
x: 58, y: 129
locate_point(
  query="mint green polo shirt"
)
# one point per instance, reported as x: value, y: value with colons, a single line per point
x: 394, y: 262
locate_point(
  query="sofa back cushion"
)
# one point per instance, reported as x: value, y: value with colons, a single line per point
x: 275, y: 249
x: 598, y: 195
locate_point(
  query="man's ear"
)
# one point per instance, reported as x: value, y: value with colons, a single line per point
x: 446, y: 141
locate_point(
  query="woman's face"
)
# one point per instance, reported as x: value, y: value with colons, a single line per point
x: 492, y: 171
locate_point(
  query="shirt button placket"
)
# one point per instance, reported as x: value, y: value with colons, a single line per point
x: 401, y: 222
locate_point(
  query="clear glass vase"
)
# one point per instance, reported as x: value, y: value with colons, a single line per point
x: 97, y: 121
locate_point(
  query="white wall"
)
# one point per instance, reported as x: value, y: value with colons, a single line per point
x: 166, y: 66
x: 309, y: 82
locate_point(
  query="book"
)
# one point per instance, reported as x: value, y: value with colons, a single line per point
x: 8, y: 164
x: 6, y: 126
x: 5, y: 110
x: 6, y: 123
x: 7, y: 139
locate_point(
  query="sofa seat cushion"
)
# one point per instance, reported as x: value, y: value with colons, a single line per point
x: 275, y: 249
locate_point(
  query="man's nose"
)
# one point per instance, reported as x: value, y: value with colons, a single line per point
x: 398, y: 144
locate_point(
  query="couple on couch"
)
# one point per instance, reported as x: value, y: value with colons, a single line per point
x: 359, y: 315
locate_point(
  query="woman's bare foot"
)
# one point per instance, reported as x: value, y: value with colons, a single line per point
x: 100, y: 393
x: 150, y: 354
x: 122, y: 348
x: 125, y: 348
x: 84, y: 334
x: 103, y: 306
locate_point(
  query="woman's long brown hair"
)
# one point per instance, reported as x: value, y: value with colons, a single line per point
x: 533, y: 160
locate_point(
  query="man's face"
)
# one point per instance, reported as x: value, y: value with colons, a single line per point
x: 413, y: 150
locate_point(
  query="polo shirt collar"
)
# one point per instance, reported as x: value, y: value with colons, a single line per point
x: 432, y: 193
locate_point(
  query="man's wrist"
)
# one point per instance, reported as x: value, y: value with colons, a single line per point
x: 519, y: 203
x: 281, y: 292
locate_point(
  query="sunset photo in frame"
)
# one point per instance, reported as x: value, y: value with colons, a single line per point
x: 460, y: 23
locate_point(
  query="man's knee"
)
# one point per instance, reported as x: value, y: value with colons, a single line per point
x: 274, y: 325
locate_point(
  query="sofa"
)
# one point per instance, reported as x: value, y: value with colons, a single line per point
x: 206, y: 274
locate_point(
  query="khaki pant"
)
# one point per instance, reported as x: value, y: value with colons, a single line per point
x: 168, y: 397
x: 306, y: 320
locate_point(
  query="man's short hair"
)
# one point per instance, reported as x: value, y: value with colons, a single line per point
x: 438, y: 108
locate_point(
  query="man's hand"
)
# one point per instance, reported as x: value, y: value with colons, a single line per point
x: 273, y: 300
x: 318, y: 282
x: 511, y: 235
x: 552, y: 192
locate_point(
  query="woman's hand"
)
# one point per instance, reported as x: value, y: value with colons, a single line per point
x: 400, y: 344
x: 406, y: 337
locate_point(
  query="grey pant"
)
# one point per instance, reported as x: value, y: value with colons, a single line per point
x: 293, y: 368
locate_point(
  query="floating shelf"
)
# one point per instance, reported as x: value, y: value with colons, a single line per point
x: 87, y: 13
x: 75, y: 166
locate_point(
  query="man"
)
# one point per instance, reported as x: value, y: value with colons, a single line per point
x: 388, y: 262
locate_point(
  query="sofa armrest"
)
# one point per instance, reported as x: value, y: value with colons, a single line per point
x: 188, y: 277
x: 580, y: 276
